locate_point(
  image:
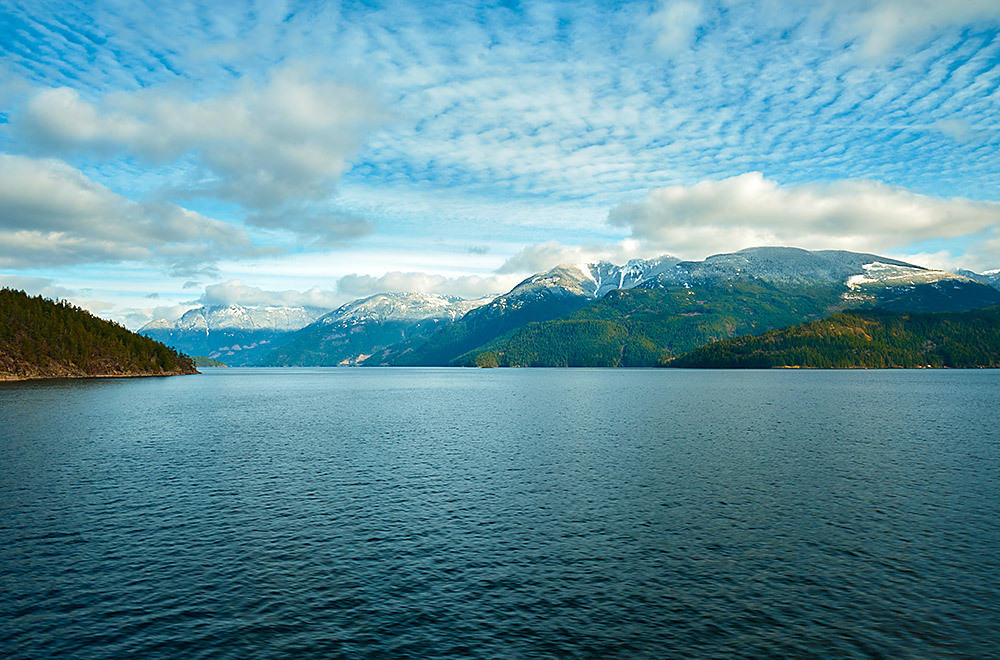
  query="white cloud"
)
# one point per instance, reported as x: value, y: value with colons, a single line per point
x: 675, y: 23
x: 36, y: 286
x: 235, y: 292
x: 134, y: 318
x: 543, y: 256
x: 278, y: 148
x: 748, y: 210
x: 51, y: 214
x: 887, y: 25
x: 464, y: 286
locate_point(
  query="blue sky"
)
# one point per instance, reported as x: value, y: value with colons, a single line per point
x: 155, y: 157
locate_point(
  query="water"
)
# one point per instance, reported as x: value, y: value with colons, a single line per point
x: 436, y: 513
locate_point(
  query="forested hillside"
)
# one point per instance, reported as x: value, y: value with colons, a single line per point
x: 873, y: 339
x: 645, y: 327
x: 40, y: 338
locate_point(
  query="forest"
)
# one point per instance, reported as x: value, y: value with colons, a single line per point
x: 41, y: 338
x: 867, y: 339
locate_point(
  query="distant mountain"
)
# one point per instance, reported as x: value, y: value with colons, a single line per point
x: 40, y: 338
x: 235, y: 334
x: 864, y: 339
x: 752, y: 290
x: 989, y: 277
x: 354, y: 331
x: 541, y: 297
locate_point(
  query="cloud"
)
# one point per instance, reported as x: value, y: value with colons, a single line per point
x: 748, y: 210
x: 464, y: 286
x: 543, y: 256
x: 134, y: 318
x: 675, y: 24
x: 887, y: 25
x: 36, y: 286
x: 51, y: 214
x: 351, y: 287
x: 322, y: 229
x: 234, y: 292
x: 276, y: 148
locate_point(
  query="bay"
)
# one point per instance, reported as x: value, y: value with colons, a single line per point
x: 542, y: 513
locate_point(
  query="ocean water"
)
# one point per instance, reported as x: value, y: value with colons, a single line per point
x: 449, y: 513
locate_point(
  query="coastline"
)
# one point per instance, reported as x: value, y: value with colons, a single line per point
x: 4, y: 378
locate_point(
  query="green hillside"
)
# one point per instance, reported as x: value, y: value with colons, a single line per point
x: 645, y: 327
x: 203, y: 361
x: 320, y: 345
x: 864, y: 339
x: 476, y: 328
x: 40, y: 338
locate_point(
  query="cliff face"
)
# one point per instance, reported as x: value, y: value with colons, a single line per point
x: 40, y: 338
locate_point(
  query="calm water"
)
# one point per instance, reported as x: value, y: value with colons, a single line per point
x: 423, y: 513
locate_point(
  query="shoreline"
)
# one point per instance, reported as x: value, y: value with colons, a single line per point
x: 17, y: 379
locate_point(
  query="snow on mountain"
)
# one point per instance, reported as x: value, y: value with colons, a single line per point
x: 591, y: 280
x: 237, y: 317
x: 987, y: 277
x: 384, y: 307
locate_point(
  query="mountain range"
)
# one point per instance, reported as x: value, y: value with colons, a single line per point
x: 235, y: 334
x: 353, y: 332
x: 641, y: 313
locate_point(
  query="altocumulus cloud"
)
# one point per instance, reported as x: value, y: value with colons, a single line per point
x: 276, y: 148
x: 749, y: 209
x: 51, y: 214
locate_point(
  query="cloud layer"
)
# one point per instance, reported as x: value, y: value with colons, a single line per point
x: 50, y: 213
x: 749, y: 209
x: 277, y: 149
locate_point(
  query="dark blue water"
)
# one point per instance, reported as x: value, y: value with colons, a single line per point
x: 411, y: 513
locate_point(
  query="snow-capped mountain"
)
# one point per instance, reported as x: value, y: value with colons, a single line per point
x: 988, y: 277
x: 384, y: 307
x: 593, y: 280
x: 841, y: 279
x: 356, y: 330
x: 233, y: 334
x: 237, y: 317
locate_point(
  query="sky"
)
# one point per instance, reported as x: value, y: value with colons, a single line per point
x: 155, y: 157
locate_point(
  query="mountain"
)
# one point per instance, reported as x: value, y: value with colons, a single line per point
x: 752, y: 290
x: 236, y: 334
x: 870, y: 339
x: 541, y: 297
x: 40, y: 338
x: 989, y: 277
x: 354, y: 331
x: 643, y: 327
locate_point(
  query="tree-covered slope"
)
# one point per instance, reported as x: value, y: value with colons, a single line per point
x: 644, y: 327
x: 481, y: 325
x: 864, y: 339
x: 40, y: 338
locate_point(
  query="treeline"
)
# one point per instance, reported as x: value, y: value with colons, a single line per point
x: 869, y: 339
x: 40, y: 338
